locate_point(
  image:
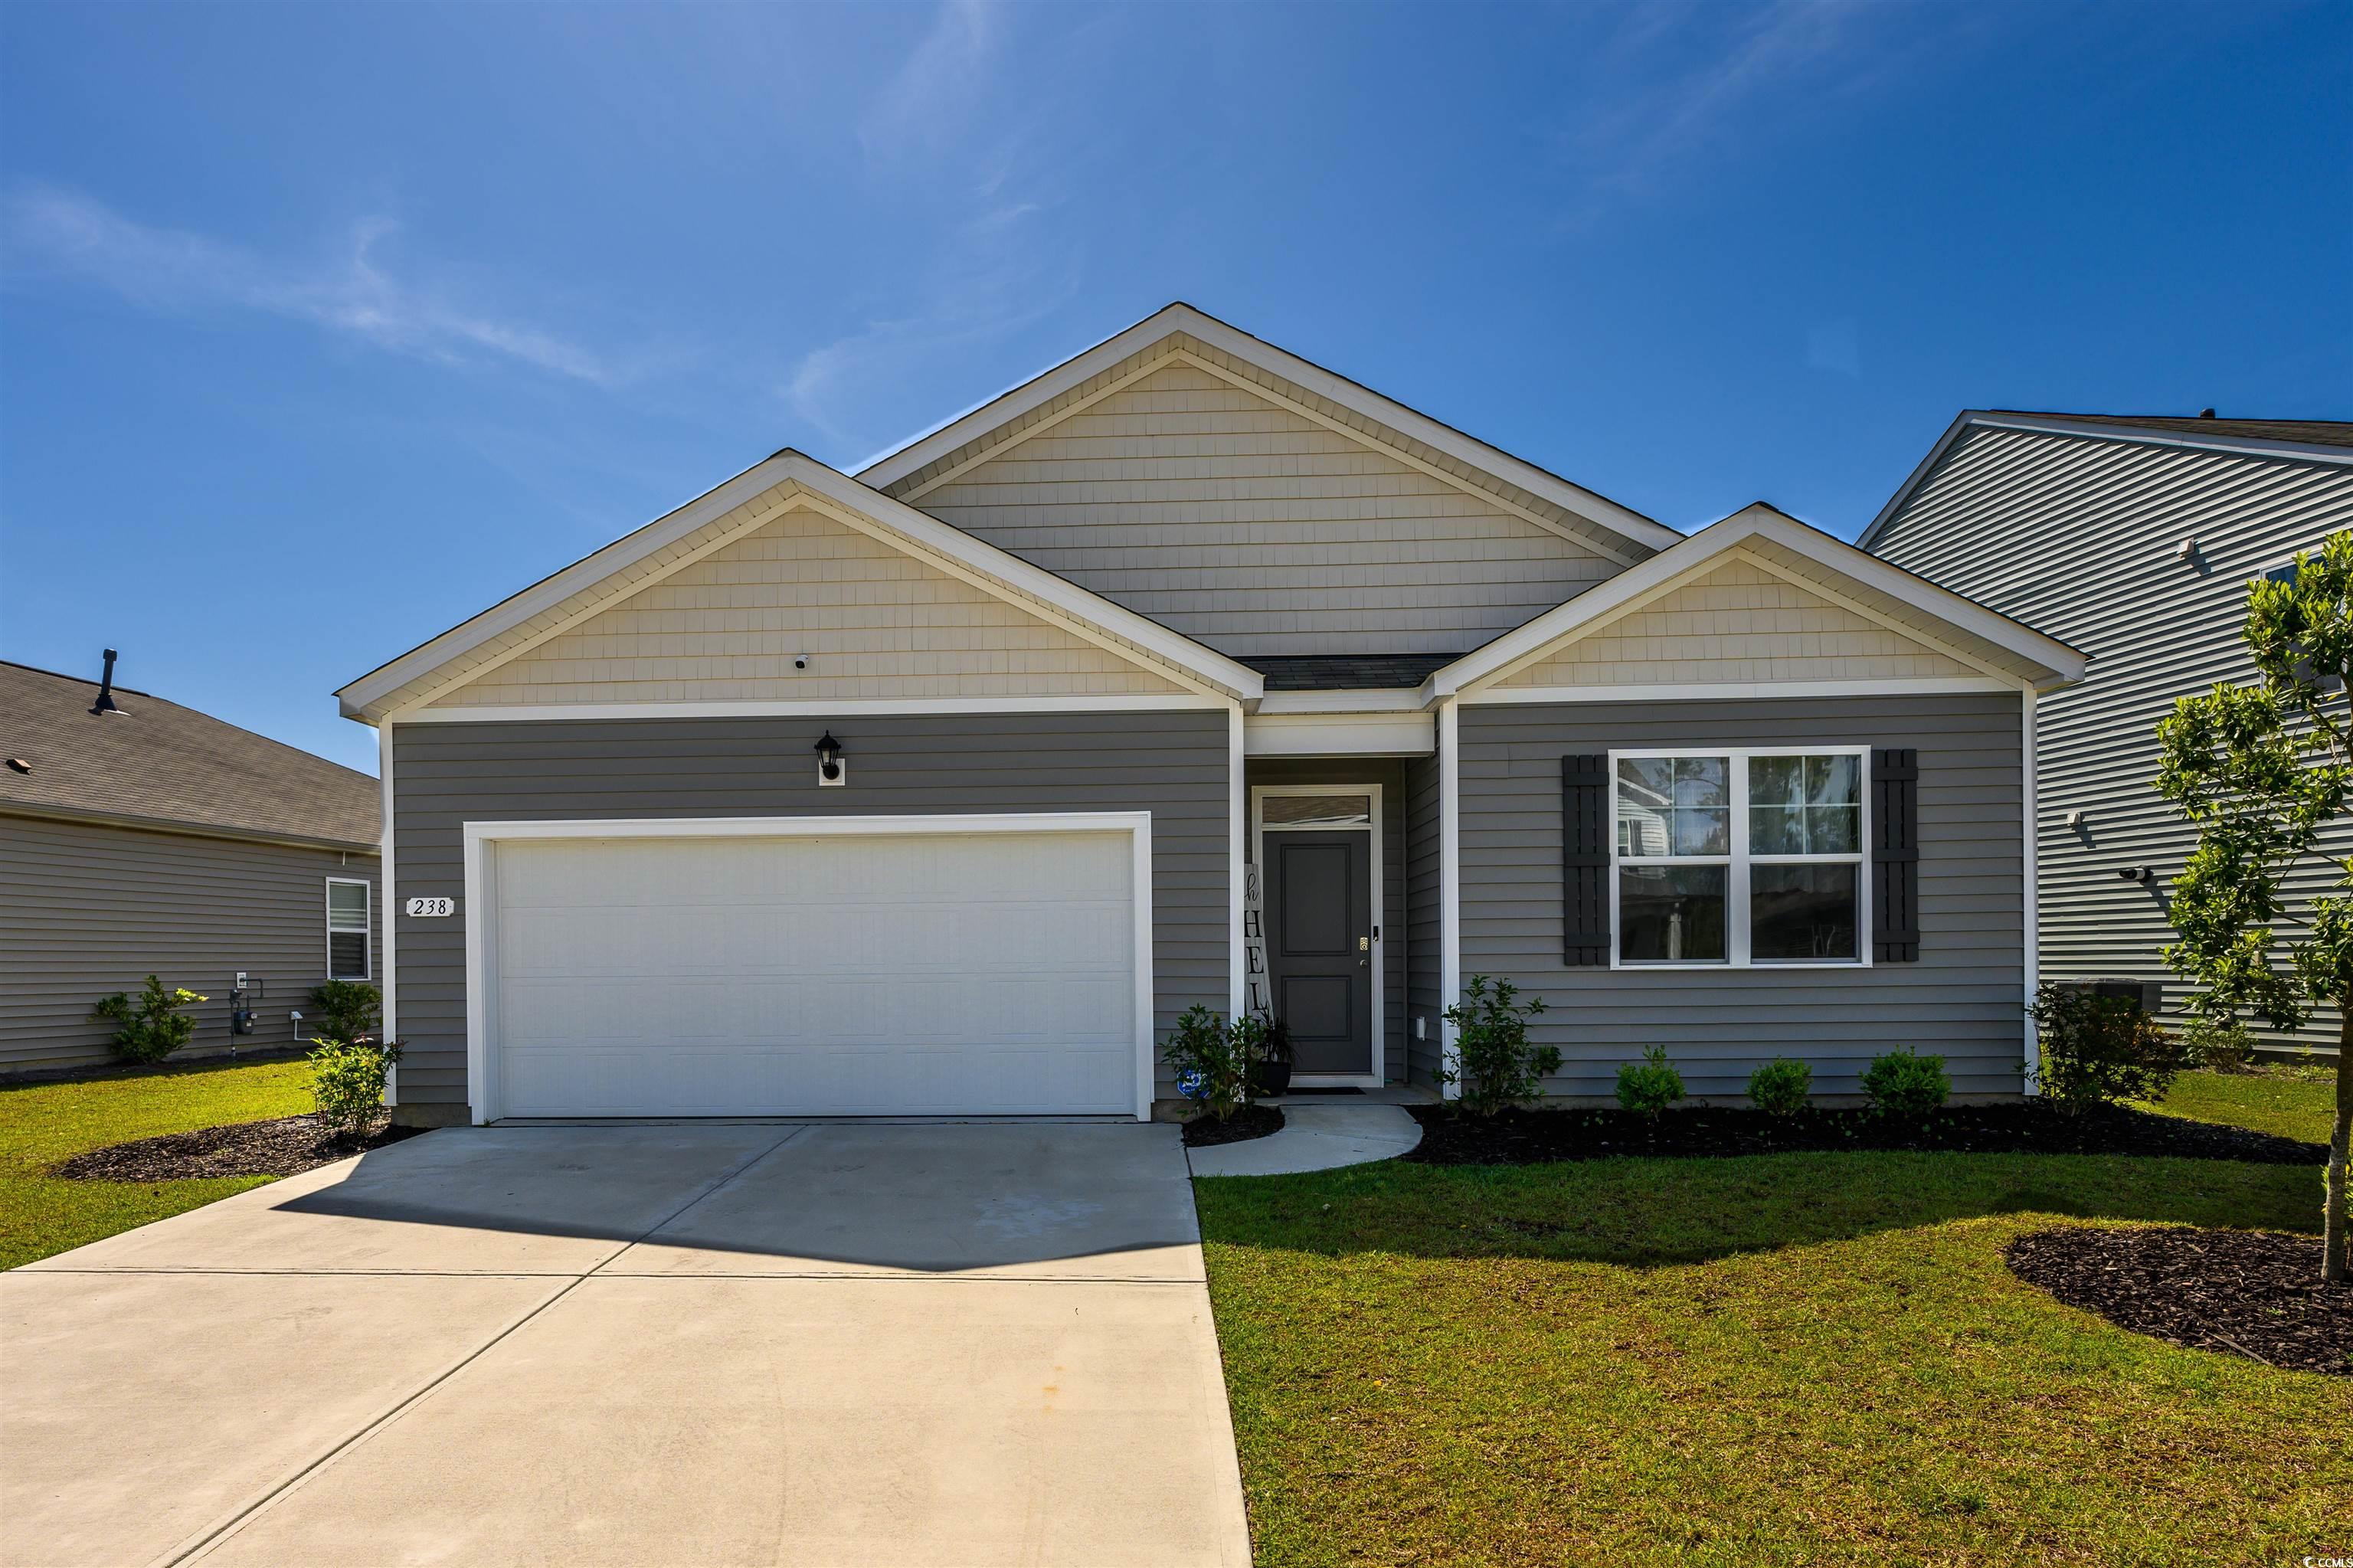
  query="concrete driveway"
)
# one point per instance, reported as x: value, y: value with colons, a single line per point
x: 833, y: 1344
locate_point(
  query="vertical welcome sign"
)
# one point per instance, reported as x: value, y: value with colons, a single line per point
x: 1257, y: 998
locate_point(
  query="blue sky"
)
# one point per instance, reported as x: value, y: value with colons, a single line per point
x: 323, y: 327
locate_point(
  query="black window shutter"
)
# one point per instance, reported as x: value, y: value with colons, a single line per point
x: 1585, y: 859
x: 1895, y: 856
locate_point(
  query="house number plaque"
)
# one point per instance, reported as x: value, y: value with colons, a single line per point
x: 432, y: 907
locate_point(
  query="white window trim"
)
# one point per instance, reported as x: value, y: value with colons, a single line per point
x: 366, y: 931
x: 1736, y: 862
x: 1375, y: 1078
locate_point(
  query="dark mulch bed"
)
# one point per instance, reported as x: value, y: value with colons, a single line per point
x: 2257, y: 1294
x: 1249, y: 1122
x: 284, y: 1147
x: 1449, y: 1137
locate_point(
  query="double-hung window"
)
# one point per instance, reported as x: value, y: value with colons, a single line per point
x: 347, y: 929
x: 1749, y: 857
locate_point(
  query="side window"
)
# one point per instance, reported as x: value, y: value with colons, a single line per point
x: 347, y: 929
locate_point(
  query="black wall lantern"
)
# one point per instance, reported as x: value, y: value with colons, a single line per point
x: 831, y: 767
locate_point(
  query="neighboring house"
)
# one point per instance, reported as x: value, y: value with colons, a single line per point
x: 2135, y: 539
x: 139, y: 837
x: 929, y: 790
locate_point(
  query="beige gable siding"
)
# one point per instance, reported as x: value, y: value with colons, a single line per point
x: 1738, y: 622
x: 1258, y: 530
x: 873, y: 622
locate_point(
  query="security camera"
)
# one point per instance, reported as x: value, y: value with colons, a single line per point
x: 2134, y: 872
x: 800, y: 660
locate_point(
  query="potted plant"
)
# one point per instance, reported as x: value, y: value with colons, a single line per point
x: 1270, y: 1053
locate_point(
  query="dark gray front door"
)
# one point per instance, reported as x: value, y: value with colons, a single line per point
x: 1319, y: 947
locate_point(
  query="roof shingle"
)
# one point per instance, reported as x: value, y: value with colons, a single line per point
x: 1347, y: 672
x: 2302, y: 432
x: 160, y: 762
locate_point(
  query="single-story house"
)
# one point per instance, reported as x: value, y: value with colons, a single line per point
x: 140, y: 837
x: 936, y: 788
x: 2135, y: 537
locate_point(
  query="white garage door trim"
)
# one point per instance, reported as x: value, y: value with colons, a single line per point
x: 482, y: 840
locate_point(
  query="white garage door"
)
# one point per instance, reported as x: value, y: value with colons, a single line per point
x: 838, y: 975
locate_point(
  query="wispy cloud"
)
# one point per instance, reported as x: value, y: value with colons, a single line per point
x: 174, y: 271
x: 940, y: 126
x: 1675, y: 84
x: 922, y: 108
x: 997, y: 279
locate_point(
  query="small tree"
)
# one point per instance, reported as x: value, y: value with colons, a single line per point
x: 154, y: 1025
x: 1493, y: 1061
x: 2265, y: 772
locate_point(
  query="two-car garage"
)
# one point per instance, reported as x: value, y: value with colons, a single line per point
x: 844, y: 966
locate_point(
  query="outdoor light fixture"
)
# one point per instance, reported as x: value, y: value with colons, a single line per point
x: 831, y: 766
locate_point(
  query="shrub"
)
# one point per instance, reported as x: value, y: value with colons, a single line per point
x: 1211, y: 1059
x: 152, y: 1027
x: 346, y: 1009
x: 347, y: 1078
x: 1494, y: 1063
x: 2098, y: 1050
x: 2222, y: 1043
x: 1900, y: 1084
x: 1781, y: 1086
x: 1649, y: 1086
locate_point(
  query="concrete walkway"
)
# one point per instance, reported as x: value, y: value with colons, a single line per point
x: 1317, y: 1135
x: 837, y: 1344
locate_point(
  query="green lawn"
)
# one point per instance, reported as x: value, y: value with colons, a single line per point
x: 1793, y: 1358
x: 2291, y: 1101
x: 41, y: 1124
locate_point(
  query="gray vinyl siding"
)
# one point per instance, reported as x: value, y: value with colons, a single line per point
x: 1424, y: 932
x: 1172, y: 764
x: 2078, y: 536
x: 88, y: 910
x: 1394, y: 920
x: 1963, y: 1000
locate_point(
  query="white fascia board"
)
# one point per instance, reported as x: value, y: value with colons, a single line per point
x: 1758, y: 522
x: 809, y: 708
x: 1309, y: 377
x: 1711, y: 690
x: 1341, y: 735
x: 2220, y: 441
x: 389, y: 987
x: 918, y: 529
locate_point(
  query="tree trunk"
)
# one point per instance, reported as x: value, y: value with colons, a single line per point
x: 2333, y: 1265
